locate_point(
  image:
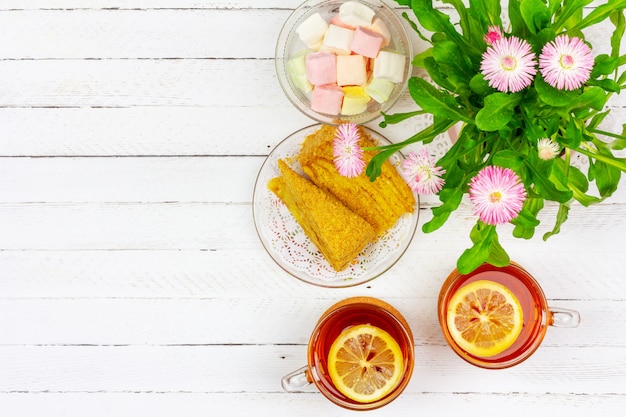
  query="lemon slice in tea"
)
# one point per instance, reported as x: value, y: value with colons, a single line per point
x: 484, y: 318
x: 365, y: 363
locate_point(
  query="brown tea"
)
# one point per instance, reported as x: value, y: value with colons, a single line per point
x: 343, y: 316
x: 536, y: 314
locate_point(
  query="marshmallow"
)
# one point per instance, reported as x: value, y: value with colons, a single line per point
x: 379, y: 89
x: 312, y: 30
x: 337, y: 40
x: 379, y: 26
x: 366, y: 42
x: 354, y: 101
x: 389, y: 66
x: 356, y: 14
x: 336, y: 20
x: 321, y: 68
x: 296, y: 66
x: 327, y: 99
x: 351, y: 70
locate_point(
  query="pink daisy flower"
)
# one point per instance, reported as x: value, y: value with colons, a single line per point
x: 509, y: 65
x: 494, y: 33
x: 348, y: 155
x: 547, y: 149
x: 420, y: 172
x: 497, y: 195
x: 566, y: 63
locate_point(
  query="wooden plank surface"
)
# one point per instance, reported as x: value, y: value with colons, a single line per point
x: 132, y: 279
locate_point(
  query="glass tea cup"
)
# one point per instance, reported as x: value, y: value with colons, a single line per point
x: 337, y: 321
x: 537, y: 315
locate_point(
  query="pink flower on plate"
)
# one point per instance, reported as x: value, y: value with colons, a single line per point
x: 509, y: 65
x: 421, y: 173
x: 566, y: 63
x: 494, y: 34
x: 348, y: 154
x: 497, y: 195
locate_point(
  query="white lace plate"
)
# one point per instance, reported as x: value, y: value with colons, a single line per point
x: 293, y: 251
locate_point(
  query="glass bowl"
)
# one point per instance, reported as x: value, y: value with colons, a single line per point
x: 285, y: 241
x: 289, y: 45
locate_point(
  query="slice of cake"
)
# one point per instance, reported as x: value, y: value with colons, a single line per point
x: 338, y: 232
x: 381, y: 202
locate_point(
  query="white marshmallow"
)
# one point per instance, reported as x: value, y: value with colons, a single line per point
x: 389, y: 66
x: 356, y: 14
x: 338, y: 40
x: 312, y: 30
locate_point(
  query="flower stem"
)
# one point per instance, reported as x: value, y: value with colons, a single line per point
x: 619, y: 163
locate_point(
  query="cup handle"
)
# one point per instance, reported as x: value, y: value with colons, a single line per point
x: 297, y: 380
x: 563, y: 317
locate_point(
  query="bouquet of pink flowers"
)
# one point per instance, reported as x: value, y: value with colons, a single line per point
x: 528, y: 94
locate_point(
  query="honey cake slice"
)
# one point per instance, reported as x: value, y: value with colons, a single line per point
x: 339, y: 233
x: 381, y: 202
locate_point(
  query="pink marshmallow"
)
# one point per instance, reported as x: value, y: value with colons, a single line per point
x: 351, y: 70
x: 366, y: 42
x: 327, y: 99
x: 321, y: 68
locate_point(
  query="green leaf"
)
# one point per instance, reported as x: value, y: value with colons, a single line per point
x: 479, y: 85
x: 573, y: 134
x: 606, y: 84
x: 374, y: 167
x: 418, y: 60
x: 561, y: 217
x: 493, y: 9
x: 604, y: 65
x: 607, y: 179
x: 617, y: 18
x: 392, y: 119
x: 592, y: 97
x: 533, y: 131
x: 552, y: 96
x: 436, y: 21
x: 535, y: 13
x: 430, y: 18
x: 434, y: 101
x: 600, y: 13
x: 463, y: 14
x: 406, y: 17
x: 508, y: 158
x: 451, y: 198
x: 544, y: 36
x: 438, y: 74
x: 571, y: 9
x: 518, y: 25
x: 499, y: 107
x: 544, y: 187
x: 570, y: 177
x: 449, y: 53
x: 526, y: 221
x: 620, y: 141
x: 486, y: 248
x: 597, y: 119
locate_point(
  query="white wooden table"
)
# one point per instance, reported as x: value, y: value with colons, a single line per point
x: 132, y: 281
